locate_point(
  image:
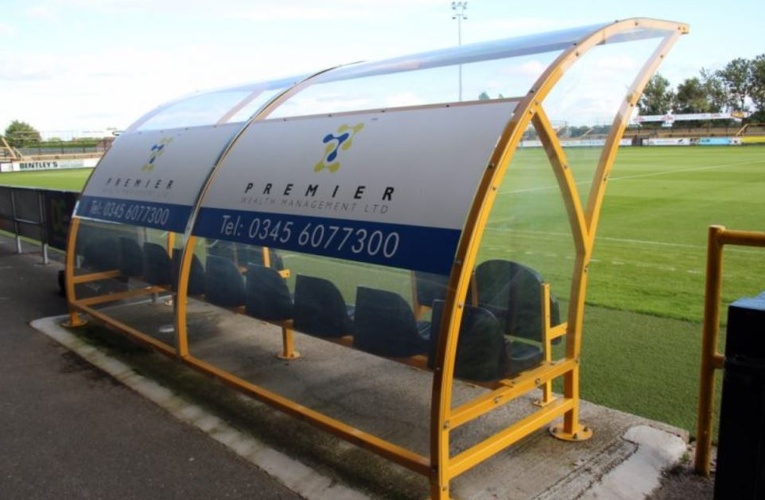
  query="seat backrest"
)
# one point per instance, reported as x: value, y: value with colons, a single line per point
x: 385, y: 325
x: 250, y: 254
x: 320, y: 309
x: 224, y: 285
x: 196, y: 276
x: 102, y: 254
x: 131, y: 257
x: 429, y: 287
x: 267, y: 295
x: 481, y: 354
x: 157, y: 266
x: 243, y: 255
x: 221, y: 248
x: 513, y: 292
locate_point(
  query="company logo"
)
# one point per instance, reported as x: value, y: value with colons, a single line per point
x: 342, y: 139
x: 155, y: 152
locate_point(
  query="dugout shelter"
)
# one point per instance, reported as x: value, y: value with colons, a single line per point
x: 379, y: 227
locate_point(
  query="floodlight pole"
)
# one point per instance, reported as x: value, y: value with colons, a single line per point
x: 459, y: 14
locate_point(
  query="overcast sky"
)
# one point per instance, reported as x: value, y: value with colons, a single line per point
x: 68, y: 66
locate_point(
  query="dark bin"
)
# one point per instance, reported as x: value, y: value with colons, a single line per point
x: 741, y: 442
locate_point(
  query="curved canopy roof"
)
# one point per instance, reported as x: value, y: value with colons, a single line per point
x: 280, y: 142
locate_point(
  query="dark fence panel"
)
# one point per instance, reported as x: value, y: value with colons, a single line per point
x: 59, y: 206
x: 6, y: 210
x: 39, y: 214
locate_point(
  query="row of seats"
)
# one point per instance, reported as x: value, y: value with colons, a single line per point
x: 383, y: 323
x: 152, y: 264
x: 504, y: 305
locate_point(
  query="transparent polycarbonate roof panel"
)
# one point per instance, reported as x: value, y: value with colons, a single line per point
x: 508, y: 78
x: 234, y: 104
x: 248, y: 108
x: 554, y: 41
x: 502, y: 68
x: 202, y: 109
x: 439, y: 70
x: 464, y: 54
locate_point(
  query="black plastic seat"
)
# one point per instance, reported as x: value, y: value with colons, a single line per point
x: 224, y: 285
x: 102, y: 254
x: 513, y: 292
x: 428, y: 287
x: 481, y: 353
x: 196, y: 285
x: 267, y: 295
x: 157, y: 265
x: 386, y: 326
x: 320, y: 309
x: 131, y: 257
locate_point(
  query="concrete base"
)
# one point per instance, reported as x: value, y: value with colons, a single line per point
x: 624, y: 460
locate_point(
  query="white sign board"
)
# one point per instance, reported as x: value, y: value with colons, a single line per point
x: 390, y: 188
x: 153, y: 179
x: 55, y: 164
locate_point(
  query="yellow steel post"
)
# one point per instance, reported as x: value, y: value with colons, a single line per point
x: 571, y: 428
x: 75, y: 320
x: 709, y: 349
x: 266, y: 257
x: 288, y: 343
x: 181, y: 298
x: 547, y: 342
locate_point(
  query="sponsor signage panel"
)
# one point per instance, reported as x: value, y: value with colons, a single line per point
x: 660, y: 141
x: 390, y: 188
x: 153, y: 179
x: 719, y: 141
x: 575, y: 143
x: 29, y: 165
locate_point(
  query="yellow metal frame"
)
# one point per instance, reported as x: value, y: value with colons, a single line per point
x: 441, y: 467
x: 711, y: 358
x: 584, y: 226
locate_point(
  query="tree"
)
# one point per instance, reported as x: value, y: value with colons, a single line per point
x: 736, y: 78
x: 20, y: 134
x: 692, y: 97
x: 757, y: 87
x: 484, y: 96
x: 715, y: 90
x: 657, y: 98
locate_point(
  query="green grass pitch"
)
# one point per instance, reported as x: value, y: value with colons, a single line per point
x: 68, y: 180
x: 642, y: 325
x: 642, y: 330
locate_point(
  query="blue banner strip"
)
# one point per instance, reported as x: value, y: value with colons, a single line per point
x: 418, y: 248
x: 165, y: 216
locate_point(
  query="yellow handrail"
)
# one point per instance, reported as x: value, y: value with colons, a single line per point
x: 711, y: 359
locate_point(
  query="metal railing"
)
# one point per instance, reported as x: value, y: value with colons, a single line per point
x: 711, y: 359
x: 38, y: 214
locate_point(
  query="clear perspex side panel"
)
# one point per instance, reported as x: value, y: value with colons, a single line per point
x: 529, y: 240
x: 357, y: 210
x: 135, y: 210
x: 131, y: 275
